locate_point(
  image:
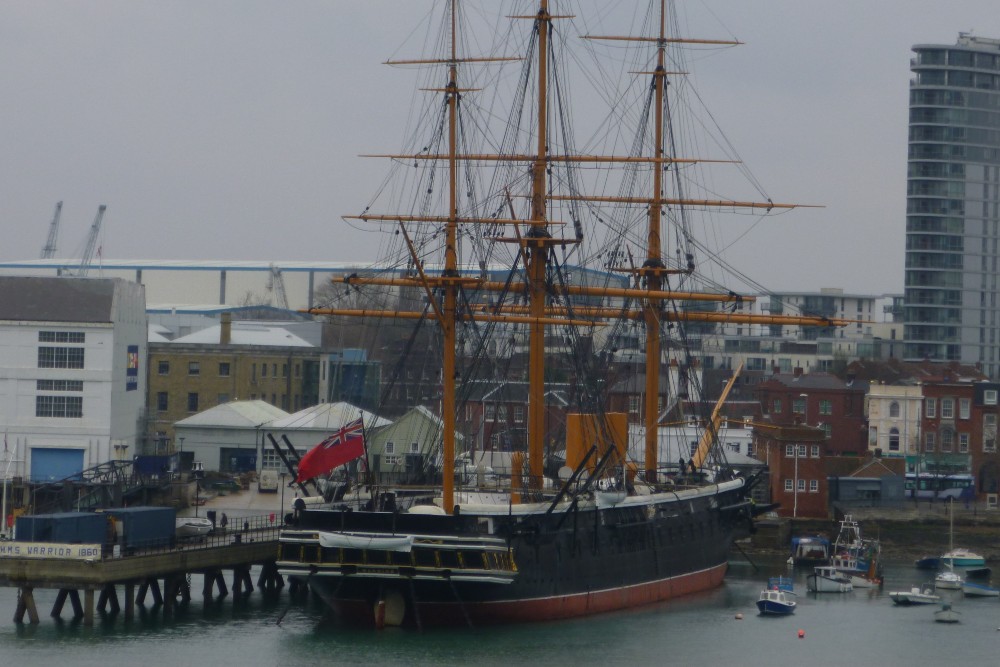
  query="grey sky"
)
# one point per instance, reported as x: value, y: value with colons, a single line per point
x: 230, y: 130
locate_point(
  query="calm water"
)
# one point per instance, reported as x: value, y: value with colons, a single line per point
x: 862, y: 627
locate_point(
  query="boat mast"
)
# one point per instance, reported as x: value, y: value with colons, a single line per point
x: 448, y: 325
x: 537, y: 261
x: 654, y: 264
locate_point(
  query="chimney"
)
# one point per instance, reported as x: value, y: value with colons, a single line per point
x: 226, y: 330
x: 797, y: 372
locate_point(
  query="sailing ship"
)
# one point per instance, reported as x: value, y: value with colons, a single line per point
x: 604, y: 532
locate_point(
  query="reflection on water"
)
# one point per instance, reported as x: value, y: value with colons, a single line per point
x: 701, y: 629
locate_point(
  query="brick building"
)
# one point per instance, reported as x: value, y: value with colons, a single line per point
x: 795, y: 459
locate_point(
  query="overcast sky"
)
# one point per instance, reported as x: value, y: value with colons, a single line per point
x: 230, y: 130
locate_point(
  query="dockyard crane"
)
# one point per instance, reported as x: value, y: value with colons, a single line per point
x: 276, y: 286
x: 49, y: 250
x: 88, y: 253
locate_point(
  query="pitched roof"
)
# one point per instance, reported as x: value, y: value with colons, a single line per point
x: 46, y: 299
x: 327, y: 417
x: 236, y: 414
x: 245, y: 334
x: 807, y: 381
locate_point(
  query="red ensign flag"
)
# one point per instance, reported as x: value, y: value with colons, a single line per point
x: 343, y: 446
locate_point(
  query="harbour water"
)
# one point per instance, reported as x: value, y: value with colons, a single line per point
x: 862, y: 626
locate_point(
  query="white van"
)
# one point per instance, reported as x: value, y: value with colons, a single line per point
x: 267, y: 481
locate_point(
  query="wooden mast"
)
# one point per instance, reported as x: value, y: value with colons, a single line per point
x: 653, y: 278
x: 537, y: 264
x: 448, y: 323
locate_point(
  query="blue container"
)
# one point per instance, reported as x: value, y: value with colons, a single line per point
x: 144, y: 527
x: 63, y: 528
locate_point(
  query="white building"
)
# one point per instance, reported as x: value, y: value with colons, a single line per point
x: 894, y: 419
x: 227, y: 437
x: 72, y: 381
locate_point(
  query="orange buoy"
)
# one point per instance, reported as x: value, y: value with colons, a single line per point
x: 802, y: 634
x: 739, y: 617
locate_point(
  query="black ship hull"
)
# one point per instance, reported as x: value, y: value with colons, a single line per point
x: 500, y: 563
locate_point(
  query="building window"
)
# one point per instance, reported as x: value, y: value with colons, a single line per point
x: 989, y: 433
x: 894, y: 410
x: 894, y: 440
x: 223, y: 369
x: 298, y: 370
x: 390, y: 448
x: 799, y: 406
x: 59, y: 385
x: 60, y: 357
x: 964, y: 408
x: 263, y: 370
x: 990, y: 397
x: 163, y: 367
x: 414, y: 447
x: 963, y: 443
x: 391, y: 460
x: 501, y: 413
x: 193, y: 402
x: 274, y: 370
x: 814, y: 451
x: 776, y: 406
x: 194, y: 368
x: 59, y: 406
x: 827, y: 430
x: 633, y: 404
x: 814, y: 486
x: 519, y: 413
x: 162, y: 402
x: 947, y: 439
x: 491, y: 412
x: 826, y: 407
x: 802, y: 485
x: 61, y: 337
x: 789, y: 485
x: 789, y: 451
x: 947, y: 408
x: 930, y: 441
x: 930, y: 407
x: 284, y: 370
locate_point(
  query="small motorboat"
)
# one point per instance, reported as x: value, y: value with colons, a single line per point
x: 948, y: 580
x: 775, y: 602
x: 192, y: 527
x: 978, y: 573
x: 915, y: 596
x: 947, y: 615
x: 828, y: 579
x: 972, y: 589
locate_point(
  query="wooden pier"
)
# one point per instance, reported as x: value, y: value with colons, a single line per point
x: 138, y: 575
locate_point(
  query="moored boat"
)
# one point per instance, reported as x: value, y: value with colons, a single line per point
x: 810, y: 550
x: 609, y: 533
x: 828, y: 579
x: 947, y: 614
x: 962, y: 558
x: 973, y: 589
x: 776, y: 602
x: 948, y: 580
x: 915, y: 596
x: 928, y: 563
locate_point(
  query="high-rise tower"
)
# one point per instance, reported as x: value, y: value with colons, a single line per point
x: 951, y: 309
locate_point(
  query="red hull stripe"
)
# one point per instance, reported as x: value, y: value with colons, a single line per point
x: 554, y: 607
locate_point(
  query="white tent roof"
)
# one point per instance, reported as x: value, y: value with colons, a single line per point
x: 236, y: 414
x: 327, y: 417
x: 247, y: 334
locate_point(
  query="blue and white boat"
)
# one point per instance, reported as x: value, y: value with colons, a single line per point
x: 928, y: 563
x: 972, y: 589
x: 775, y: 602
